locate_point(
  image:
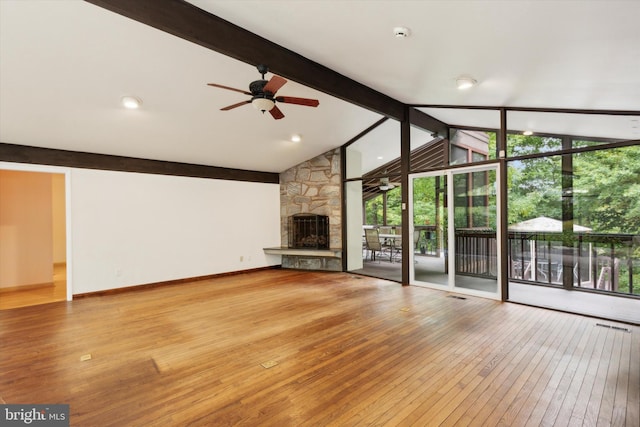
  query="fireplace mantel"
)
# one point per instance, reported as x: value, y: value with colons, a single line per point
x: 283, y: 250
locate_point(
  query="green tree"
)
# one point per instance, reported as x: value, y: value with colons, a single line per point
x: 394, y: 206
x: 424, y: 201
x: 606, y: 187
x: 374, y: 210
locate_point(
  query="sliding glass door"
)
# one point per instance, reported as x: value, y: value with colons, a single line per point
x: 454, y: 221
x: 429, y: 229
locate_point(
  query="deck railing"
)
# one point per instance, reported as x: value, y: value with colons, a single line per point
x: 606, y: 262
x: 476, y: 253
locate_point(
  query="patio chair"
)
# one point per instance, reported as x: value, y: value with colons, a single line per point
x: 373, y: 243
x: 395, y: 245
x: 385, y: 229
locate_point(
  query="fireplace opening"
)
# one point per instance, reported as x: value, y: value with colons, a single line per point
x: 309, y: 231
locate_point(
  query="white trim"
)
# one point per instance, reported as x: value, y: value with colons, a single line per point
x: 27, y: 167
x: 599, y: 305
x: 67, y: 191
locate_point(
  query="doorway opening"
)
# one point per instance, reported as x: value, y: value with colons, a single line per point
x: 33, y: 238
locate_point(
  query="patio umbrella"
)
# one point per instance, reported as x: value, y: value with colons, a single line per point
x: 544, y: 224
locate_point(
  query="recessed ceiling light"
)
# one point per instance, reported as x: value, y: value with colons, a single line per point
x: 380, y: 157
x: 131, y: 102
x: 401, y: 32
x: 527, y: 133
x: 296, y: 138
x: 465, y: 82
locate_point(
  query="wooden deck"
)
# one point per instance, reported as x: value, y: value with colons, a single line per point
x: 347, y: 350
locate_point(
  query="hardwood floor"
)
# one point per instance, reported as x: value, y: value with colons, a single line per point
x: 347, y: 350
x: 35, y: 295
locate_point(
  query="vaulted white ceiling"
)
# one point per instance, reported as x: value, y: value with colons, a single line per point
x: 64, y: 65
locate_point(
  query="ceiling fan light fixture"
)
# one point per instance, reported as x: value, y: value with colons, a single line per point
x: 385, y: 187
x: 131, y: 102
x: 465, y: 82
x: 263, y: 104
x: 263, y: 95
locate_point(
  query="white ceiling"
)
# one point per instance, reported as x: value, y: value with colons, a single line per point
x: 64, y: 65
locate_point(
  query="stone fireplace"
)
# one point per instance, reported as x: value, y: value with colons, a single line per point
x: 311, y: 202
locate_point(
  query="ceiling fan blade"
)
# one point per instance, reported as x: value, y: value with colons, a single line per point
x: 276, y: 113
x: 239, y: 104
x: 274, y: 84
x: 230, y: 88
x: 300, y: 101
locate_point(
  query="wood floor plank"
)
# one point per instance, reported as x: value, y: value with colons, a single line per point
x: 597, y: 392
x: 475, y: 394
x: 443, y: 373
x: 429, y: 365
x: 527, y: 399
x: 570, y: 396
x: 438, y: 383
x: 605, y: 413
x: 579, y: 410
x: 501, y: 396
x: 622, y: 385
x: 552, y: 377
x: 556, y: 390
x: 632, y: 413
x: 348, y: 351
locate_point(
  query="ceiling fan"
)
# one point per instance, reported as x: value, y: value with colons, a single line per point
x: 384, y: 184
x: 263, y: 95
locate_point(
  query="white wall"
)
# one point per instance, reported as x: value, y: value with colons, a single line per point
x: 127, y: 229
x: 130, y: 229
x: 354, y: 225
x: 353, y: 190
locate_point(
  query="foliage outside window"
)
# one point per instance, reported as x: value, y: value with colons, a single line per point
x: 394, y: 206
x: 534, y: 189
x: 604, y: 197
x: 424, y: 201
x: 374, y: 208
x: 606, y: 194
x: 429, y: 215
x: 520, y: 145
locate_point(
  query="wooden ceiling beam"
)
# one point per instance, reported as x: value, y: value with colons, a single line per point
x: 188, y: 22
x: 425, y: 121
